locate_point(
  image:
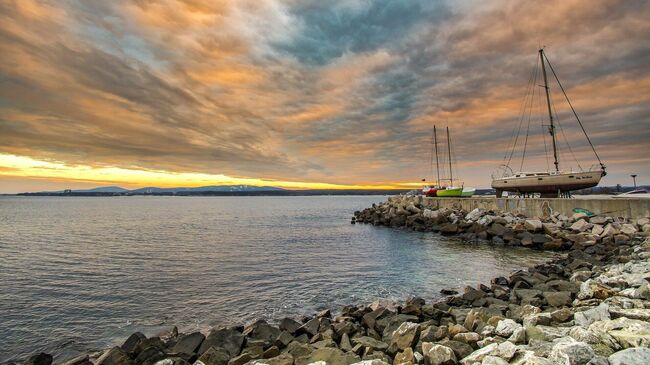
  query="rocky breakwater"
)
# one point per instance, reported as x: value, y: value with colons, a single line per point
x: 589, y: 306
x: 555, y: 232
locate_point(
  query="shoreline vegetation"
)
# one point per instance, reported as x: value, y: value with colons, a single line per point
x: 588, y: 305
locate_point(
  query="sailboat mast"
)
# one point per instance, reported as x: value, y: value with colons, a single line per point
x: 551, y: 128
x: 435, y: 143
x: 451, y: 175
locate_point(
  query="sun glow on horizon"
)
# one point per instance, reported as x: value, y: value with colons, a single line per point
x: 23, y: 166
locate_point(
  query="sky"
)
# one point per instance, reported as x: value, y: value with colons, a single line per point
x: 311, y: 94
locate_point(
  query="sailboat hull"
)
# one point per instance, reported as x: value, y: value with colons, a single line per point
x: 547, y: 183
x: 450, y: 192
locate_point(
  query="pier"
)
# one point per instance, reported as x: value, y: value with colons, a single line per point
x: 632, y: 208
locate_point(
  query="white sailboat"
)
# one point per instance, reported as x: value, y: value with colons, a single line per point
x: 550, y: 183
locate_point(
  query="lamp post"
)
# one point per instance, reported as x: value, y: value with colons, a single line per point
x: 634, y: 179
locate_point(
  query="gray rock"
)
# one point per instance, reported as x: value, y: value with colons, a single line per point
x: 214, y: 356
x: 369, y: 342
x: 260, y: 330
x: 189, y: 344
x: 632, y: 356
x: 586, y: 318
x: 133, y: 341
x: 289, y: 325
x: 310, y: 327
x: 571, y: 352
x: 229, y: 339
x: 558, y: 299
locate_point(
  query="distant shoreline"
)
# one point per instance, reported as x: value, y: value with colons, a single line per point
x: 223, y: 193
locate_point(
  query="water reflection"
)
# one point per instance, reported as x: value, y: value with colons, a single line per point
x: 79, y: 273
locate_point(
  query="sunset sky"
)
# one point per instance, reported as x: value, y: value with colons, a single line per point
x: 308, y: 94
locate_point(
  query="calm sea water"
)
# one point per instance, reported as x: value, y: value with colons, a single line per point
x: 84, y: 273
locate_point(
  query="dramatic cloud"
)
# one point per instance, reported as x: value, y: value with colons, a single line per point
x: 341, y: 92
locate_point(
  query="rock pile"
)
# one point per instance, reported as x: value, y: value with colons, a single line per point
x: 556, y: 232
x: 591, y: 306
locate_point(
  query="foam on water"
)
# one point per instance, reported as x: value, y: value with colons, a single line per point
x: 84, y: 273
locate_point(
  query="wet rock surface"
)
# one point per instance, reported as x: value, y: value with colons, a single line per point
x: 588, y: 305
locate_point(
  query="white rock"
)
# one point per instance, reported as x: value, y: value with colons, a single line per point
x: 507, y: 350
x: 637, y: 355
x: 474, y: 214
x: 438, y: 354
x: 571, y: 352
x: 506, y: 327
x: 585, y: 318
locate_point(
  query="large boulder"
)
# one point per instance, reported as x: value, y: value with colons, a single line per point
x: 571, y: 352
x: 189, y: 344
x: 438, y: 355
x: 229, y: 339
x: 405, y: 335
x: 131, y: 343
x: 310, y: 327
x: 214, y: 356
x: 260, y: 330
x: 289, y: 325
x: 637, y: 355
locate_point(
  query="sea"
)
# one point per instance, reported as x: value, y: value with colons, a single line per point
x: 79, y: 274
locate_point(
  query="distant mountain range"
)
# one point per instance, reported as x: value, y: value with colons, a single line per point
x: 117, y: 190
